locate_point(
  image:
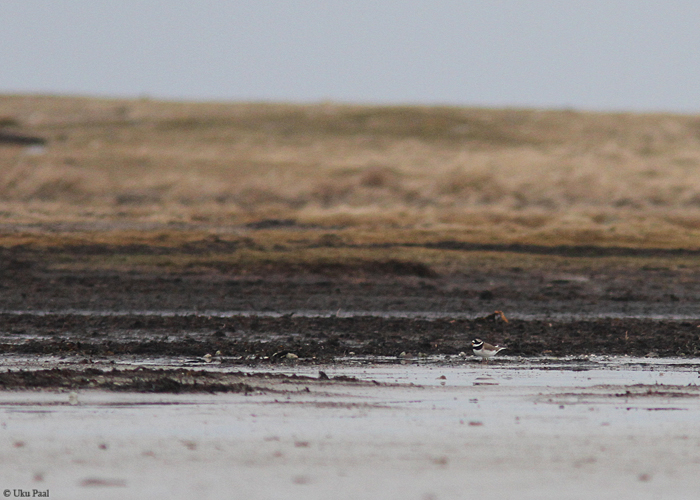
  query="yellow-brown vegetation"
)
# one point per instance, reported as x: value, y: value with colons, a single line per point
x: 485, y: 175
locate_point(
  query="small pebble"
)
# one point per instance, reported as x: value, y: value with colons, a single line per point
x: 73, y: 398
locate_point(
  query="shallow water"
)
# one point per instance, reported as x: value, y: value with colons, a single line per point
x: 459, y: 370
x: 432, y: 428
x: 553, y: 373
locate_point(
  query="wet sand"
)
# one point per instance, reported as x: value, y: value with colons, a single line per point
x: 574, y: 428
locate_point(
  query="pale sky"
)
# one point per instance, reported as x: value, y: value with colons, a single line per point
x: 637, y: 55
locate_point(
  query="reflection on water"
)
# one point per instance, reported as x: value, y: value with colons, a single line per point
x: 439, y: 370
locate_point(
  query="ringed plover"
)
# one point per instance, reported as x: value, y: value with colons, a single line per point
x: 485, y: 350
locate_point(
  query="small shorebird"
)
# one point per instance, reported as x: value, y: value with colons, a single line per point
x: 485, y: 350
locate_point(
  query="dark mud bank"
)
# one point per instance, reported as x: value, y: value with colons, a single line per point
x: 322, y: 339
x: 158, y: 380
x: 653, y: 293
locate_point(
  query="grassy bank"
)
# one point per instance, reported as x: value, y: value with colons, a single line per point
x: 371, y: 173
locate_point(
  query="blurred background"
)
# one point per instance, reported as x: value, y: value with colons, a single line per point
x: 536, y: 119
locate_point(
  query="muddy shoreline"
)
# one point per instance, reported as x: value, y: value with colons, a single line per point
x: 267, y: 339
x: 55, y: 300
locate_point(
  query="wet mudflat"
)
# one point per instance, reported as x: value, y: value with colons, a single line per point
x: 201, y: 296
x: 133, y: 372
x: 313, y: 337
x: 594, y: 427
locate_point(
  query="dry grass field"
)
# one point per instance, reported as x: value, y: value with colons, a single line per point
x: 372, y: 173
